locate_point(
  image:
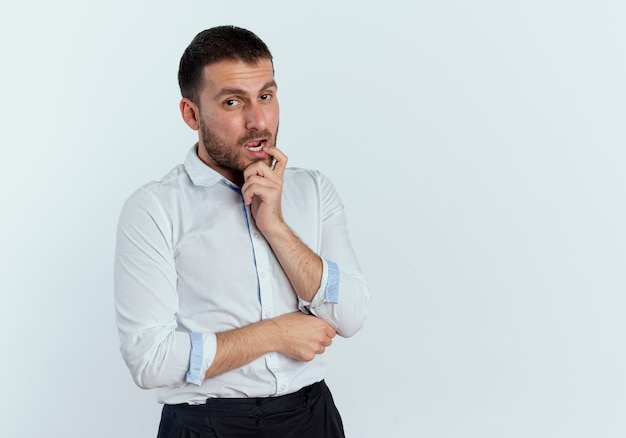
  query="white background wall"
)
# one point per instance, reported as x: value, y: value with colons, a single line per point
x: 478, y: 147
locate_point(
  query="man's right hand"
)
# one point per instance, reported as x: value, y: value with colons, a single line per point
x: 301, y: 336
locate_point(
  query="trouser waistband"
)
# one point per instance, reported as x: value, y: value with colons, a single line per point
x: 258, y: 406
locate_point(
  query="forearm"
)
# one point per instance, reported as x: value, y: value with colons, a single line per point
x: 340, y: 297
x: 295, y: 335
x: 334, y: 289
x: 238, y: 347
x: 301, y: 265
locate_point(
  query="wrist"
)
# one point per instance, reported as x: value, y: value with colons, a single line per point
x: 272, y: 331
x: 276, y: 230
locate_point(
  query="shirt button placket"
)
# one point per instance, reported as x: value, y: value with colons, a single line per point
x: 262, y: 253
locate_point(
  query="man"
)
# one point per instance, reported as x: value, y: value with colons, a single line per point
x: 234, y: 273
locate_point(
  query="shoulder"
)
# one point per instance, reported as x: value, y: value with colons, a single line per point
x: 303, y: 180
x: 311, y: 184
x: 173, y: 180
x: 297, y: 175
x: 153, y: 196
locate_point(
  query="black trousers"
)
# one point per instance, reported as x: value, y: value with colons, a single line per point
x: 308, y: 413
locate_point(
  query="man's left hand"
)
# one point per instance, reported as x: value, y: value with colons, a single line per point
x: 262, y: 190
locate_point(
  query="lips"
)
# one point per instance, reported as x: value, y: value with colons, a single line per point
x: 255, y: 145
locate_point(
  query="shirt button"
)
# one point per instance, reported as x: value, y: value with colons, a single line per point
x: 262, y: 274
x: 257, y: 236
x: 268, y: 314
x: 282, y: 387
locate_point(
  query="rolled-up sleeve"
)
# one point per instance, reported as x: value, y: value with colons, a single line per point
x: 344, y: 294
x: 156, y: 352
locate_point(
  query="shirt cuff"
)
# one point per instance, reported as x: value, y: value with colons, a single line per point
x: 328, y: 291
x: 332, y: 285
x: 200, y: 357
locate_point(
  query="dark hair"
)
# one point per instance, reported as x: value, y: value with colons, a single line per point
x: 214, y: 45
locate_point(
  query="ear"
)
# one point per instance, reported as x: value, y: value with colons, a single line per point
x: 190, y: 113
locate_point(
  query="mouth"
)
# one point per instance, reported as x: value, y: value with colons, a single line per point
x: 256, y: 145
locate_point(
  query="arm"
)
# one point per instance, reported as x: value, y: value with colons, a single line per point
x: 262, y: 190
x: 295, y: 335
x: 318, y: 280
x: 344, y: 295
x: 146, y: 301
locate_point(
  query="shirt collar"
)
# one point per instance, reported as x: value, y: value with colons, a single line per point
x: 200, y: 173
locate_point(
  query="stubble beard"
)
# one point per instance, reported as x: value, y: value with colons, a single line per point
x: 231, y: 157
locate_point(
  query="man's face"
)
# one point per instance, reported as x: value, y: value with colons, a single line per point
x: 238, y: 115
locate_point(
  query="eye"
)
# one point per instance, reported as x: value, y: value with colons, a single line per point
x: 266, y: 96
x: 231, y: 103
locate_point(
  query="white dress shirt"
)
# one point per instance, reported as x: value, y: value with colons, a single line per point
x: 190, y: 263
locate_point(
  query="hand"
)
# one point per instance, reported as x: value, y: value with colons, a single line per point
x: 263, y: 188
x: 302, y: 336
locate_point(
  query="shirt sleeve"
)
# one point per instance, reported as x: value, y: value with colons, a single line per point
x: 156, y: 352
x: 344, y: 294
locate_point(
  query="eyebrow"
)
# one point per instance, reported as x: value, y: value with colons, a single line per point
x: 239, y: 91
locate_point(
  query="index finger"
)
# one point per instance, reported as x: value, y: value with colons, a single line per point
x: 281, y: 160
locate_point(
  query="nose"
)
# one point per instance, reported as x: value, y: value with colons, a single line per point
x: 255, y: 117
